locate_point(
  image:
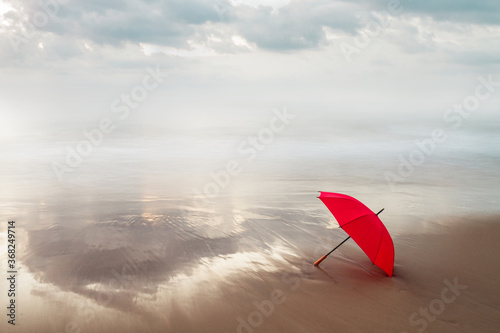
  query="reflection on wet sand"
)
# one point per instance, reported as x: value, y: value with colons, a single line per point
x: 125, y: 256
x: 126, y: 262
x: 187, y: 287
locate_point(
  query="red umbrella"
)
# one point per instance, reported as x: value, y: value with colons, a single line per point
x: 362, y: 225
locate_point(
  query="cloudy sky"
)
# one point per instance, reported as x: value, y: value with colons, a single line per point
x: 67, y: 61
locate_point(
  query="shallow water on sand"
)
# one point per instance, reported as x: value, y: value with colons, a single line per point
x: 125, y: 241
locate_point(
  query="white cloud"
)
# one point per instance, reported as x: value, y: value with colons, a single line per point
x: 276, y: 4
x: 244, y: 57
x: 195, y: 50
x: 5, y: 7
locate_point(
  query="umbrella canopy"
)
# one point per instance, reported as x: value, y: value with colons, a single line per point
x: 364, y: 227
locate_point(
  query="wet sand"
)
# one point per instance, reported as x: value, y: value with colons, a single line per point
x: 122, y: 245
x: 445, y: 280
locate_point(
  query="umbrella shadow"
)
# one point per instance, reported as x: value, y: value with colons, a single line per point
x: 326, y: 273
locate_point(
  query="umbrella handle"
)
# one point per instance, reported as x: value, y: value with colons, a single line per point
x: 320, y: 260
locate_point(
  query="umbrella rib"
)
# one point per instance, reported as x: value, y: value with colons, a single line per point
x: 357, y: 218
x: 379, y: 244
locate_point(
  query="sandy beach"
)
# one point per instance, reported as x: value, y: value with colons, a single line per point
x: 123, y: 246
x: 445, y: 280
